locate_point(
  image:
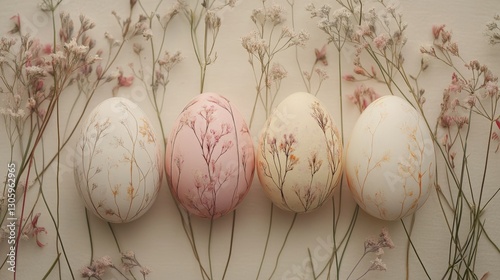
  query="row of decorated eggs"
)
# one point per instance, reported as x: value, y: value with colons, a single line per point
x: 210, y: 158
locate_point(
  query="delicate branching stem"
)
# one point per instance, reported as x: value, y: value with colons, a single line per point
x: 230, y: 245
x: 210, y: 247
x: 267, y: 240
x: 415, y: 250
x: 283, y: 245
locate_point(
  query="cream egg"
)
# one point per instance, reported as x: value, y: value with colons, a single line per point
x: 299, y: 157
x: 118, y: 170
x: 390, y: 159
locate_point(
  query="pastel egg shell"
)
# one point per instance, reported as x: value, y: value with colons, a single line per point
x: 118, y: 170
x: 299, y: 158
x: 210, y: 157
x: 390, y: 159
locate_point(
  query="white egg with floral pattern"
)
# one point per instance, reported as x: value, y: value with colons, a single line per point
x: 299, y: 158
x: 209, y: 157
x: 390, y: 159
x: 118, y: 170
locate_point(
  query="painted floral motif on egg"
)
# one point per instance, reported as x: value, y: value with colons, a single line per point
x: 118, y: 171
x: 390, y: 159
x: 299, y: 158
x: 210, y: 157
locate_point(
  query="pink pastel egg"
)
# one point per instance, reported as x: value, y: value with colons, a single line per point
x: 209, y: 157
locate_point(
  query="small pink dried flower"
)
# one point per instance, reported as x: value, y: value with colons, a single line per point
x: 381, y: 41
x: 321, y: 55
x: 122, y: 81
x: 32, y: 229
x: 436, y: 30
x: 349, y: 78
x: 125, y: 81
x: 363, y: 96
x: 47, y: 49
x: 359, y: 70
x: 17, y: 24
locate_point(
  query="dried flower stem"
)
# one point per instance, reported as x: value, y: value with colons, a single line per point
x: 283, y: 246
x: 269, y: 228
x: 205, y: 53
x: 263, y: 45
x: 320, y: 57
x: 71, y: 60
x: 384, y: 48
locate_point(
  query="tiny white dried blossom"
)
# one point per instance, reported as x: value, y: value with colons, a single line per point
x: 74, y: 48
x: 323, y: 12
x: 377, y: 264
x: 300, y: 39
x: 169, y: 61
x: 491, y: 88
x: 341, y: 14
x: 31, y: 104
x: 86, y: 272
x: 92, y: 59
x: 147, y: 33
x: 278, y: 72
x: 174, y: 10
x: 253, y: 44
x: 35, y: 71
x: 381, y: 41
x: 258, y: 15
x: 105, y: 261
x: 128, y: 254
x: 310, y: 7
x: 114, y: 74
x: 276, y: 14
x: 212, y: 20
x: 145, y: 270
x: 14, y: 113
x: 57, y: 57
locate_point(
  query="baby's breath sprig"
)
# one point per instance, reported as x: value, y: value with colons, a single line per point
x: 204, y: 18
x: 493, y: 30
x: 263, y: 44
x: 155, y: 76
x: 320, y: 60
x: 375, y: 246
x: 269, y: 38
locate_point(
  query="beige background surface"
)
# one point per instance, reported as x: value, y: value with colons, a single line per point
x: 158, y: 239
